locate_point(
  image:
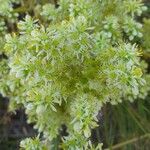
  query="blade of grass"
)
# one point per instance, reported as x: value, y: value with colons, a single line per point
x: 128, y: 142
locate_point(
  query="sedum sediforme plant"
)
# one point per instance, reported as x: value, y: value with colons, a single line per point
x: 63, y: 70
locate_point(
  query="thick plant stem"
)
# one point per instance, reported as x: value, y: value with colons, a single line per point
x: 129, y: 142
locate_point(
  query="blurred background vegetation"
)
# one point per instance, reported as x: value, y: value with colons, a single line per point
x: 120, y: 126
